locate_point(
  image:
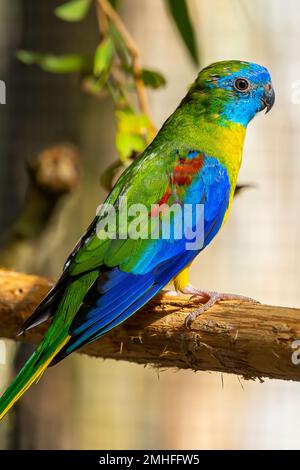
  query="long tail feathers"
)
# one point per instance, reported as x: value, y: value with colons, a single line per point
x: 30, y: 373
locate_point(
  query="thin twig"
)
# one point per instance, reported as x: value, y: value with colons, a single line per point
x: 102, y: 20
x: 134, y: 52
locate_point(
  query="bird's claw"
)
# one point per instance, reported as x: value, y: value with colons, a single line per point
x: 208, y: 299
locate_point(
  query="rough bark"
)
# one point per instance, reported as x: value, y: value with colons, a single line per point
x: 252, y: 340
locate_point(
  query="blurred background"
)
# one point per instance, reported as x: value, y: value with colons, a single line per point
x: 87, y: 403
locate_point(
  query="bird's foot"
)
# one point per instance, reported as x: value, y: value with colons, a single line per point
x: 208, y: 299
x: 169, y: 292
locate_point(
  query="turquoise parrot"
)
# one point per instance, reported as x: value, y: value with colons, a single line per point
x: 193, y: 161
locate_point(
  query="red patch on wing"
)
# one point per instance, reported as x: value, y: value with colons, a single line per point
x: 182, y: 176
x: 186, y: 169
x: 164, y: 199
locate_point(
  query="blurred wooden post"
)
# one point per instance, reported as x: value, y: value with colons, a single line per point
x: 53, y: 173
x: 251, y: 340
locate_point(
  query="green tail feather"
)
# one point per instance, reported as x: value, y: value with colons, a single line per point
x: 30, y: 373
x: 54, y: 340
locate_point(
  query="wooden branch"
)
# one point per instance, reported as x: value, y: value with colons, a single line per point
x: 251, y: 340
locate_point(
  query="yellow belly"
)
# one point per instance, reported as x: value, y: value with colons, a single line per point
x: 182, y: 279
x: 228, y: 145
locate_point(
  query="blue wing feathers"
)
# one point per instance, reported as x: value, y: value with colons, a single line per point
x: 163, y: 274
x: 104, y: 310
x: 119, y: 294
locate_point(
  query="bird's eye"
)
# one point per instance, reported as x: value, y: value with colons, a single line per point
x: 241, y: 84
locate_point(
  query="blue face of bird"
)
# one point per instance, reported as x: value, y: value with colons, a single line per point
x: 249, y: 91
x: 240, y: 89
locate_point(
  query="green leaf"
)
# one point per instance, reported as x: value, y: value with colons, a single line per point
x: 28, y: 57
x: 118, y: 95
x: 75, y: 10
x: 67, y: 63
x: 103, y: 56
x: 153, y: 79
x: 133, y: 133
x: 63, y: 64
x: 127, y: 144
x: 94, y: 85
x: 114, y: 3
x: 120, y: 46
x: 107, y: 178
x: 181, y: 16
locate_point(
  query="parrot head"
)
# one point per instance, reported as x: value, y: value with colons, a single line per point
x: 233, y: 91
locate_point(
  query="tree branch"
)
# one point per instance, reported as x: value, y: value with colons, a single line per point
x: 251, y: 340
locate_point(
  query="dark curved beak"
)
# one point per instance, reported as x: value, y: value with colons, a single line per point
x: 268, y: 98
